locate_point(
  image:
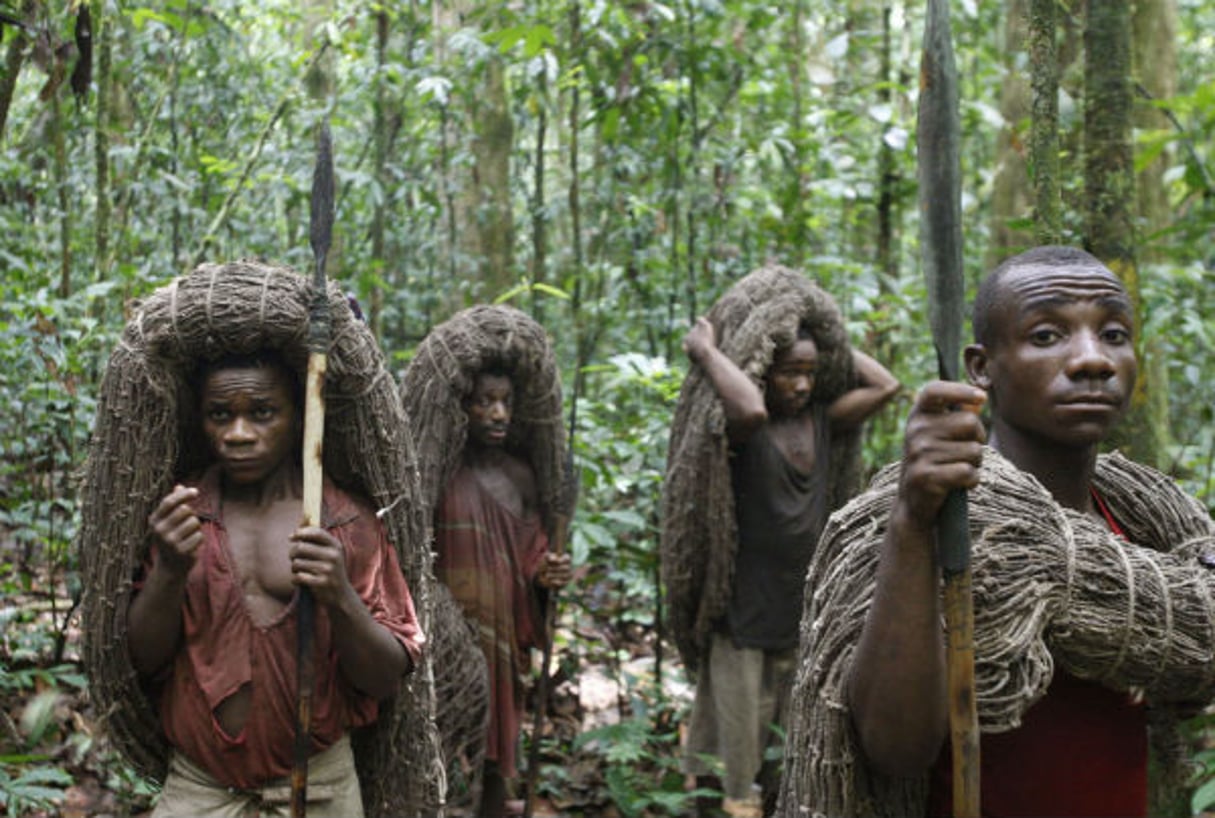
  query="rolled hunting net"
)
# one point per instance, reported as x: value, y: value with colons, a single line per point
x: 1052, y: 588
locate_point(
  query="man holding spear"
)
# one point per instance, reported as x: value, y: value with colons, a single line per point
x: 214, y: 624
x: 255, y: 680
x: 1091, y: 581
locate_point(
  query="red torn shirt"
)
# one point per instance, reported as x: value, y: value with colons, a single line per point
x: 224, y: 649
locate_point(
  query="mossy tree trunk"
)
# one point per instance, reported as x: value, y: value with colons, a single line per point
x: 1109, y: 178
x: 1044, y: 130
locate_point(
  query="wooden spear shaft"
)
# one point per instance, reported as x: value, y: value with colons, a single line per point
x: 319, y: 331
x: 939, y: 169
x: 560, y: 534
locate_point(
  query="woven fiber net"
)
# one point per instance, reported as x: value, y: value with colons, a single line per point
x: 433, y: 389
x: 755, y: 317
x: 462, y: 701
x: 148, y: 436
x: 1051, y: 588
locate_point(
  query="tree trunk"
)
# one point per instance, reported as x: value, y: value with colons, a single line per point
x: 1010, y: 198
x: 1110, y: 190
x: 1154, y: 58
x: 1108, y: 172
x: 795, y: 238
x: 1044, y: 135
x: 693, y: 171
x: 101, y: 142
x: 480, y: 220
x: 884, y: 425
x: 379, y: 255
x: 539, y: 217
x: 487, y: 223
x: 1155, y: 68
x: 59, y: 150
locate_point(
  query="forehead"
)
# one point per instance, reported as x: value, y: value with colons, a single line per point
x: 804, y: 350
x: 492, y: 384
x: 1038, y: 287
x: 251, y: 379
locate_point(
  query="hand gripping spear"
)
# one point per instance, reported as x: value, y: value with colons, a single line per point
x: 320, y: 235
x: 938, y: 142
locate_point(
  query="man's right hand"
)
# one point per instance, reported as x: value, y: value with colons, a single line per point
x: 942, y: 448
x: 178, y: 529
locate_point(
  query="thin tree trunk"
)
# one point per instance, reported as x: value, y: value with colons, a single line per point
x: 793, y: 202
x: 884, y: 426
x: 1044, y: 136
x: 1010, y: 189
x: 1154, y: 56
x: 693, y: 164
x: 887, y: 174
x: 61, y: 186
x: 101, y: 141
x: 1154, y: 60
x: 1109, y: 176
x: 575, y: 194
x: 490, y: 220
x: 378, y: 251
x: 1109, y: 172
x: 539, y: 218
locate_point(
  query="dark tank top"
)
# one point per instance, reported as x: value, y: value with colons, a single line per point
x: 781, y: 512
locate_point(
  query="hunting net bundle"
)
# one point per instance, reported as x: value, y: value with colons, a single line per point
x: 757, y: 316
x: 1052, y: 588
x: 148, y: 436
x: 461, y: 701
x: 439, y: 379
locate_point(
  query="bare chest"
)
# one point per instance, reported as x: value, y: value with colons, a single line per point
x: 795, y: 439
x: 260, y: 546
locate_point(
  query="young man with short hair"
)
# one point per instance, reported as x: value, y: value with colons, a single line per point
x: 1064, y: 540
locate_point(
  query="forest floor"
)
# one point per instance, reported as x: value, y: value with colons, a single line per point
x: 609, y: 749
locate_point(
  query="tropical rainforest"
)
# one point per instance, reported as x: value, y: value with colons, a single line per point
x: 610, y: 167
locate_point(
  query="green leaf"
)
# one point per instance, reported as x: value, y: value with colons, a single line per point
x: 1203, y: 797
x: 538, y: 38
x: 38, y: 715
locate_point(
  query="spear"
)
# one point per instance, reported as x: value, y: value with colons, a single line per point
x: 938, y: 140
x: 560, y: 532
x: 320, y: 235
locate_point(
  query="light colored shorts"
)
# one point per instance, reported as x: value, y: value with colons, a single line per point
x: 333, y: 790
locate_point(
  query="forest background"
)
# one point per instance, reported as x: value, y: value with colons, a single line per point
x: 610, y: 167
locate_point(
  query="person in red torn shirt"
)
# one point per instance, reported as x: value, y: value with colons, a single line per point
x: 213, y: 628
x: 1055, y: 360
